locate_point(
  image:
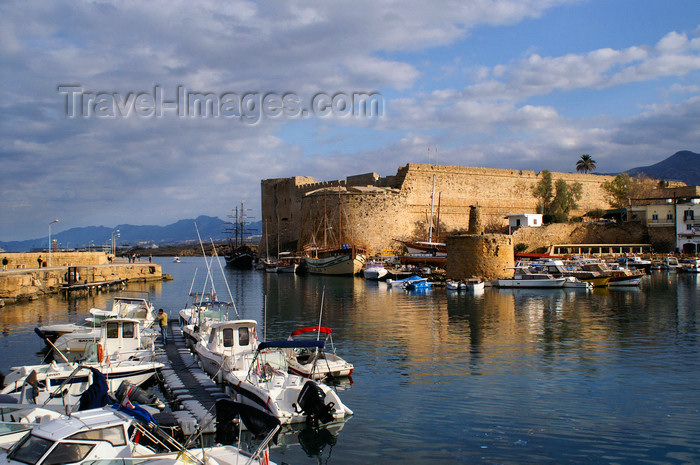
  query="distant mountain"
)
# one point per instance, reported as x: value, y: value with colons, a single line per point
x: 681, y: 166
x: 180, y: 232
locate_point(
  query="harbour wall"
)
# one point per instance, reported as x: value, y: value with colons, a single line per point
x: 31, y: 283
x: 29, y: 259
x: 378, y: 210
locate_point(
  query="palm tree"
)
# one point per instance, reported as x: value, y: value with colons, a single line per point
x: 586, y: 164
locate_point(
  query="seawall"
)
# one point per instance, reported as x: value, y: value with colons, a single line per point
x: 30, y: 283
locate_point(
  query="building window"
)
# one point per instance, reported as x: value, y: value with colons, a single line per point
x: 688, y: 215
x: 669, y: 217
x: 534, y: 221
x: 655, y: 218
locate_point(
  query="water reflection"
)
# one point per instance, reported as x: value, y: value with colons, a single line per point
x: 507, y: 376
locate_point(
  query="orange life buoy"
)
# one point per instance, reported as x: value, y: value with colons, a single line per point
x: 100, y: 353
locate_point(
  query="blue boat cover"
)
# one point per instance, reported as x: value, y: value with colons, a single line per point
x: 290, y: 344
x: 136, y: 411
x: 95, y: 396
x: 411, y: 278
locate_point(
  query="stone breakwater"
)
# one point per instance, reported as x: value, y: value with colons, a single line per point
x: 30, y: 283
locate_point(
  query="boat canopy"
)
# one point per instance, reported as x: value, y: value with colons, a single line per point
x: 311, y: 329
x: 290, y: 345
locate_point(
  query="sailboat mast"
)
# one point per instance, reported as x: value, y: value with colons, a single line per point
x: 432, y: 202
x: 340, y: 219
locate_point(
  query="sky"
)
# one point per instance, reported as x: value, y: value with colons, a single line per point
x: 117, y: 112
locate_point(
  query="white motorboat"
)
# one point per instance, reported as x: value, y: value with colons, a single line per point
x: 572, y: 282
x: 452, y: 285
x: 525, y: 278
x: 176, y: 260
x: 690, y: 265
x: 257, y: 374
x: 472, y: 285
x: 197, y: 319
x: 375, y: 271
x: 106, y: 435
x: 76, y: 338
x: 118, y: 354
x: 314, y: 363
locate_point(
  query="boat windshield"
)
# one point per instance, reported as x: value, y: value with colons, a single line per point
x: 30, y: 449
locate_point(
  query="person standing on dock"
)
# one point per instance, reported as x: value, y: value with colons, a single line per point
x: 39, y: 260
x: 163, y: 322
x: 4, y: 263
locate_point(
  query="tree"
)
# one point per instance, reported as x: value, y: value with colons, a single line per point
x: 556, y: 202
x: 586, y: 164
x: 543, y: 192
x: 565, y: 200
x: 623, y: 188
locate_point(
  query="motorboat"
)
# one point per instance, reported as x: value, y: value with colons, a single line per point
x: 670, y: 263
x: 574, y: 283
x: 636, y: 262
x: 196, y: 320
x: 525, y: 278
x: 452, y: 285
x: 287, y: 263
x: 127, y: 434
x: 690, y: 265
x: 375, y: 271
x: 412, y: 282
x: 472, y: 285
x: 619, y: 275
x: 118, y: 354
x: 257, y: 374
x: 269, y: 386
x: 76, y: 337
x: 558, y: 269
x: 314, y: 363
x: 176, y: 260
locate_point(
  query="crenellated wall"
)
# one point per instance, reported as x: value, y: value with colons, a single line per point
x: 377, y: 210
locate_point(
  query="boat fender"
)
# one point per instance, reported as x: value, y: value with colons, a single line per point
x: 100, y: 353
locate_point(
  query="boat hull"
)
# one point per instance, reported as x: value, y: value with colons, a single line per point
x: 532, y: 283
x: 336, y: 265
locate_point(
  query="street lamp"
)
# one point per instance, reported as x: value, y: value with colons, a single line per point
x: 54, y: 221
x: 115, y: 234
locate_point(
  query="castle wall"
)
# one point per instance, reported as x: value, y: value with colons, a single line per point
x: 399, y: 206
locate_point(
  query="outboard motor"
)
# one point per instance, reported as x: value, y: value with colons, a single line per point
x: 312, y: 401
x: 138, y: 395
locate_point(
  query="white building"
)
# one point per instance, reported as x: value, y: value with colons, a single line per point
x: 522, y: 220
x: 688, y: 226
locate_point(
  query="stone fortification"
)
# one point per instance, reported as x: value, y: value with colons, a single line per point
x: 489, y: 256
x: 377, y: 210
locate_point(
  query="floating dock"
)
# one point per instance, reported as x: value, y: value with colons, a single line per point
x: 189, y: 387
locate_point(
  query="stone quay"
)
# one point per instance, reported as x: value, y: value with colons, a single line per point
x: 24, y: 279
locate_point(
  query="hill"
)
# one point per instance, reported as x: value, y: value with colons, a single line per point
x: 681, y: 166
x: 180, y: 232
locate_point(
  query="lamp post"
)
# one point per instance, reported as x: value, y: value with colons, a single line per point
x: 54, y: 221
x: 115, y: 234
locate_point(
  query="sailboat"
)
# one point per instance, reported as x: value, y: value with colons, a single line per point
x: 426, y: 252
x: 340, y: 259
x: 241, y: 256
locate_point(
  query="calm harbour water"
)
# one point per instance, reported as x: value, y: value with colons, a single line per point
x: 505, y: 377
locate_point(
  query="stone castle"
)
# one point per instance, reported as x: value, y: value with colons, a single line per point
x: 373, y: 211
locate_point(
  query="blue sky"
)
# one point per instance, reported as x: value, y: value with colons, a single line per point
x: 526, y: 84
